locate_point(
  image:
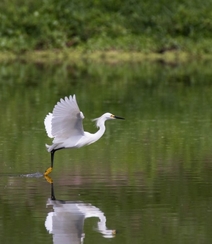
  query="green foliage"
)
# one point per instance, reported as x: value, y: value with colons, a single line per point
x: 146, y: 25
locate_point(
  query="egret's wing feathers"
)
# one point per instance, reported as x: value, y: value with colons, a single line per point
x: 48, y: 125
x: 66, y: 119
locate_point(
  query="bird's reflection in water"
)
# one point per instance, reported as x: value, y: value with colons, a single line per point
x: 66, y: 221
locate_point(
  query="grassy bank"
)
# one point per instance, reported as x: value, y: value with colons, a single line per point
x: 98, y: 56
x: 92, y: 26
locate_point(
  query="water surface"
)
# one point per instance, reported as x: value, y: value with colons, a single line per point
x: 147, y: 180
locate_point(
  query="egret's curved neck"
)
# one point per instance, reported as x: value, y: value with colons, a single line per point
x: 100, y: 132
x: 91, y: 138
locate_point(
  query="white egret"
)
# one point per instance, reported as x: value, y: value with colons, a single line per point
x: 67, y: 218
x: 64, y: 124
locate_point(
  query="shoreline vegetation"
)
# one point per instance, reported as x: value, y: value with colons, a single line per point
x: 98, y: 56
x: 105, y: 31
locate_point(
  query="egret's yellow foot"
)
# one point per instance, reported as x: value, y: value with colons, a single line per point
x: 114, y: 232
x: 48, y: 179
x: 48, y: 171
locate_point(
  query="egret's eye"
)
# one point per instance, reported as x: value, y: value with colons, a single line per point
x: 112, y: 116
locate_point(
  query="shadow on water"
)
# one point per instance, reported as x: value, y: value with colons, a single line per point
x: 66, y: 221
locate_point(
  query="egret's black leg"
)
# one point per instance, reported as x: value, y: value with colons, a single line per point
x: 52, y: 157
x: 52, y: 192
x: 49, y: 170
x: 49, y: 179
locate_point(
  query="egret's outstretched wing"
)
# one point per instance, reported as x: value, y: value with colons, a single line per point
x: 48, y: 124
x: 66, y: 119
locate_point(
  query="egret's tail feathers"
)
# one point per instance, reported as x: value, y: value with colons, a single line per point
x: 47, y: 147
x: 52, y: 147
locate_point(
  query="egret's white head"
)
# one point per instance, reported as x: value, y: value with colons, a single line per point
x: 104, y: 117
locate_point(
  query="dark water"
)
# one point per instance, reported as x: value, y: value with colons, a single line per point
x: 148, y: 180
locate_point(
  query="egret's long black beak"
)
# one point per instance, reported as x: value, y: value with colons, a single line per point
x: 117, y: 117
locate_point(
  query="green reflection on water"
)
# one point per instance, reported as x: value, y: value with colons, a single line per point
x: 156, y: 165
x: 167, y: 110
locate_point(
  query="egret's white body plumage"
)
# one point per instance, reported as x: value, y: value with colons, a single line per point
x: 64, y: 124
x: 67, y: 218
x: 66, y: 221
